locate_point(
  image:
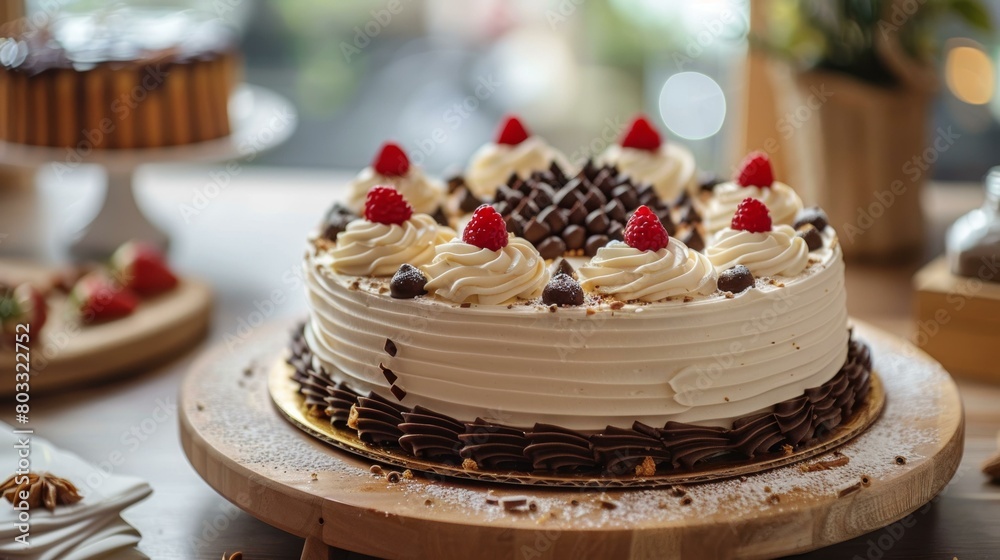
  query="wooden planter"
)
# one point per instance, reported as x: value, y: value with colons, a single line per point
x: 861, y: 152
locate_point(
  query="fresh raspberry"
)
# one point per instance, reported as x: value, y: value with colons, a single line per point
x: 645, y: 232
x: 486, y: 229
x: 512, y: 132
x: 391, y: 161
x: 755, y: 171
x: 384, y: 205
x: 752, y: 215
x: 641, y: 135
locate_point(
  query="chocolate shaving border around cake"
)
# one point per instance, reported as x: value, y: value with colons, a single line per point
x: 427, y: 434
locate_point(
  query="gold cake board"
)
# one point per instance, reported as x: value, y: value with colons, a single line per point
x: 243, y: 446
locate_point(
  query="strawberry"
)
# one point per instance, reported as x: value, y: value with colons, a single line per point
x: 512, y: 132
x: 142, y: 269
x: 752, y: 215
x: 486, y: 229
x: 99, y: 298
x: 24, y: 305
x: 644, y: 231
x: 384, y: 205
x: 755, y: 171
x: 391, y: 161
x: 641, y: 135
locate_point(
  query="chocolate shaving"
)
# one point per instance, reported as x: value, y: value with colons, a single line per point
x: 397, y: 392
x: 494, y: 446
x: 390, y: 348
x: 388, y: 374
x: 826, y: 465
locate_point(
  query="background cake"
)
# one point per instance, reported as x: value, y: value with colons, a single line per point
x: 119, y: 79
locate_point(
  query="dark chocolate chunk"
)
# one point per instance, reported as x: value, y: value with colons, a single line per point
x: 336, y: 221
x: 562, y: 289
x: 646, y: 194
x: 554, y: 217
x: 566, y: 197
x: 595, y: 242
x: 440, y: 217
x: 535, y: 231
x: 505, y: 193
x: 627, y: 196
x: 515, y: 225
x: 407, y: 283
x: 707, y: 181
x: 694, y: 240
x: 502, y: 208
x: 574, y: 237
x: 562, y: 266
x: 735, y: 279
x: 605, y: 182
x: 542, y: 195
x: 616, y: 211
x: 690, y: 216
x: 682, y: 199
x: 454, y: 182
x: 558, y: 176
x: 597, y: 221
x: 527, y: 208
x: 398, y: 392
x: 390, y: 348
x: 578, y: 215
x: 814, y: 215
x: 513, y: 181
x: 594, y: 200
x: 813, y: 239
x: 553, y: 247
x: 467, y: 201
x: 588, y: 170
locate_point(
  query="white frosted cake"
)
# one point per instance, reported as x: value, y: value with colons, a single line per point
x: 635, y: 355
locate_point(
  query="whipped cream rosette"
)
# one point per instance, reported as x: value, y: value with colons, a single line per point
x: 487, y: 266
x: 389, y: 236
x: 752, y: 241
x: 644, y: 157
x: 649, y: 266
x: 514, y: 151
x: 754, y: 180
x: 392, y: 167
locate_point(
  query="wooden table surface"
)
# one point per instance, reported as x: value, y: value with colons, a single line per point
x: 243, y: 231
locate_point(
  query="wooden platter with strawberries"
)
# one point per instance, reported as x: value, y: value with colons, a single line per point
x: 96, y: 321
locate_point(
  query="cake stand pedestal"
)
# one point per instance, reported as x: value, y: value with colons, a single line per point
x: 259, y: 120
x: 240, y: 444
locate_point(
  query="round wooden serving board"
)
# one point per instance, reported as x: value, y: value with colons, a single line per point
x: 70, y: 354
x: 243, y: 447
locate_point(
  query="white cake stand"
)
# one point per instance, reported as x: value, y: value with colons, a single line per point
x: 259, y: 120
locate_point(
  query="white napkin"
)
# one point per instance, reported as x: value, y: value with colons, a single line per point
x: 91, y: 528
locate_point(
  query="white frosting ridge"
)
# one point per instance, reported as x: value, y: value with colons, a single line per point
x: 373, y: 249
x: 769, y: 253
x: 424, y: 193
x: 782, y: 202
x: 631, y: 274
x: 671, y: 169
x: 464, y: 273
x: 706, y: 361
x: 492, y: 164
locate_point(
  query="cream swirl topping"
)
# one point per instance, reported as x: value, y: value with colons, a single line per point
x: 769, y: 253
x: 631, y: 274
x: 422, y: 192
x: 779, y: 198
x: 464, y: 273
x: 373, y: 249
x: 671, y: 169
x: 492, y: 164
